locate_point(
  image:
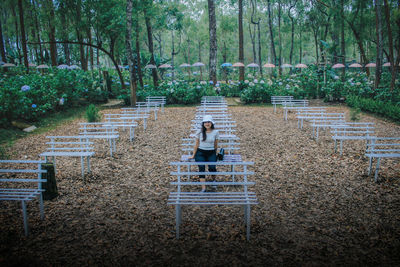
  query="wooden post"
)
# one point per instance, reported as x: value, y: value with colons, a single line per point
x: 50, y: 186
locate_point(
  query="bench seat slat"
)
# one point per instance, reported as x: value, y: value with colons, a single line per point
x: 66, y: 154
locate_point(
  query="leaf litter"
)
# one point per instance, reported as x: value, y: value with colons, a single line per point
x: 315, y: 206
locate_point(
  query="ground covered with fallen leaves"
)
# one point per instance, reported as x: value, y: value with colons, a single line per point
x: 315, y: 206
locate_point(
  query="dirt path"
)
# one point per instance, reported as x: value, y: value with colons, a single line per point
x: 316, y: 207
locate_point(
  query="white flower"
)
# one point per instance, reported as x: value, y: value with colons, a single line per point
x: 217, y: 85
x: 246, y: 81
x: 280, y: 83
x: 358, y: 83
x: 336, y: 77
x: 255, y: 81
x: 61, y: 101
x: 203, y: 82
x: 169, y: 83
x: 251, y: 84
x: 249, y: 75
x: 262, y: 81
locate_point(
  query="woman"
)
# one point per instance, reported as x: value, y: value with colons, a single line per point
x: 205, y: 149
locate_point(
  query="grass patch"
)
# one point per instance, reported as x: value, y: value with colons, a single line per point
x: 10, y: 134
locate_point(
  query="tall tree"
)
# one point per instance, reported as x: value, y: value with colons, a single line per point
x: 2, y: 47
x: 390, y: 39
x: 23, y: 37
x: 138, y: 60
x: 342, y: 38
x: 129, y: 52
x: 271, y: 33
x: 16, y: 33
x: 379, y: 44
x: 213, y: 41
x: 241, y: 41
x: 52, y: 32
x: 150, y: 40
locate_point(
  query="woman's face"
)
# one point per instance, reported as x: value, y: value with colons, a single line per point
x: 207, y: 124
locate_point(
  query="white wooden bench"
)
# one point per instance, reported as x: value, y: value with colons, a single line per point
x: 19, y: 181
x: 286, y: 110
x: 157, y: 101
x: 229, y: 146
x: 326, y: 123
x: 97, y: 130
x: 382, y: 147
x: 69, y: 146
x: 144, y: 105
x: 278, y: 100
x: 231, y: 193
x: 311, y: 116
x: 122, y: 122
x: 128, y: 115
x: 352, y: 131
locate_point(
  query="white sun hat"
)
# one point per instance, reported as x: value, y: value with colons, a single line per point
x: 208, y: 118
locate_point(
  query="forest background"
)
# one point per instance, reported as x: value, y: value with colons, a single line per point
x: 114, y: 45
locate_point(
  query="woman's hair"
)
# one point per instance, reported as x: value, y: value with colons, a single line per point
x: 203, y: 130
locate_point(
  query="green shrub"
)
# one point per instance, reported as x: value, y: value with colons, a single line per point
x: 385, y: 109
x: 92, y: 114
x: 34, y: 95
x: 355, y: 114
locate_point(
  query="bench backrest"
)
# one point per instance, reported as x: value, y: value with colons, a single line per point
x: 27, y: 173
x: 384, y: 145
x: 239, y: 172
x: 69, y: 144
x: 280, y: 99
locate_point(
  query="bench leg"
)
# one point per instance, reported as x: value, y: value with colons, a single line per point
x: 155, y: 115
x: 111, y: 147
x: 335, y: 145
x: 247, y: 220
x: 88, y: 163
x: 162, y: 108
x: 82, y: 167
x: 274, y: 108
x: 370, y: 166
x: 144, y: 124
x: 177, y: 219
x: 317, y: 133
x: 377, y: 169
x: 25, y: 217
x: 41, y: 206
x: 341, y: 147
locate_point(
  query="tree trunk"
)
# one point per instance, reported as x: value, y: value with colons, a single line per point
x: 259, y: 48
x: 129, y: 52
x: 64, y: 34
x: 80, y: 37
x: 342, y: 41
x: 253, y: 41
x: 390, y: 39
x: 52, y: 33
x: 16, y: 34
x: 271, y: 33
x: 212, y: 25
x: 378, y: 16
x: 2, y: 47
x: 241, y: 41
x: 201, y: 71
x: 151, y: 49
x: 38, y: 32
x: 22, y: 25
x: 138, y: 60
x: 224, y: 58
x: 279, y: 36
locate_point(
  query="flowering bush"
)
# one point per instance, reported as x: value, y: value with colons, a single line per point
x: 33, y: 95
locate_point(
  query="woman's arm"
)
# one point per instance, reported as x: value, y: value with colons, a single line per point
x: 196, y: 146
x: 216, y: 144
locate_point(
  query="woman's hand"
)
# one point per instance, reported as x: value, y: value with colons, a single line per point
x: 191, y: 157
